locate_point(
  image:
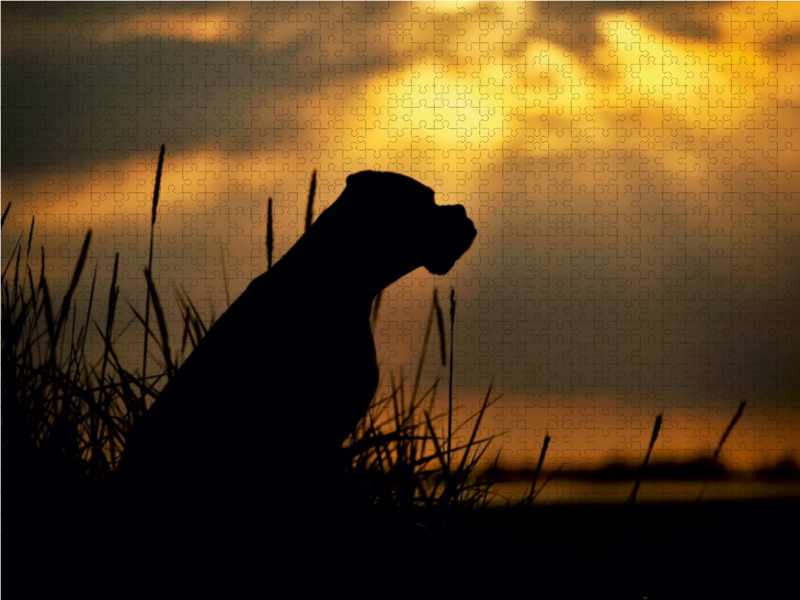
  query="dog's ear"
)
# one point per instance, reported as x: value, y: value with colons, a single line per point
x: 368, y: 184
x: 361, y: 187
x: 363, y: 179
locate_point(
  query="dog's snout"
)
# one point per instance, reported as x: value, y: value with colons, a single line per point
x: 454, y: 213
x: 454, y: 233
x: 455, y: 208
x: 460, y: 216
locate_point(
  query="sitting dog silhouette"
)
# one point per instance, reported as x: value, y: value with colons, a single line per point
x: 268, y: 397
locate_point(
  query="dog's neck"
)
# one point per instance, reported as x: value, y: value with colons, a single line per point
x: 343, y: 279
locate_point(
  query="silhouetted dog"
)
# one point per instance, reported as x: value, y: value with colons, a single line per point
x: 261, y: 407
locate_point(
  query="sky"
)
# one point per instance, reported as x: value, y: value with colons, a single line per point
x: 633, y: 171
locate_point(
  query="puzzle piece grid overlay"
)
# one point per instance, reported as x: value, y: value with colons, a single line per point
x: 632, y: 171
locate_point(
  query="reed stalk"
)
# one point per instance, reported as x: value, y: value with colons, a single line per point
x: 722, y: 440
x: 270, y: 234
x: 310, y: 206
x: 153, y: 215
x: 529, y: 500
x: 450, y: 381
x: 653, y: 438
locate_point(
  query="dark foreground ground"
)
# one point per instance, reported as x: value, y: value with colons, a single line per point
x: 653, y: 551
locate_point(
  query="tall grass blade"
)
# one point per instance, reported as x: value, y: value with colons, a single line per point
x: 395, y: 406
x: 492, y: 470
x: 440, y: 326
x: 153, y: 215
x: 31, y: 287
x: 539, y: 465
x: 113, y: 294
x: 141, y: 320
x: 16, y: 270
x: 48, y: 308
x: 187, y: 325
x: 17, y: 248
x: 450, y: 386
x: 438, y: 451
x: 162, y: 323
x: 65, y: 303
x: 476, y: 427
x: 421, y: 363
x: 728, y: 430
x: 310, y: 207
x: 157, y: 189
x: 656, y: 427
x: 30, y: 236
x: 85, y: 328
x: 5, y: 214
x: 461, y: 473
x: 225, y: 277
x: 198, y: 328
x: 722, y: 440
x: 546, y: 481
x: 270, y: 234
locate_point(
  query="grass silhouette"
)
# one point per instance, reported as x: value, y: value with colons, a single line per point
x: 66, y: 420
x: 58, y: 408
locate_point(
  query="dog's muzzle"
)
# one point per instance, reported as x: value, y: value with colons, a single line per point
x: 451, y: 235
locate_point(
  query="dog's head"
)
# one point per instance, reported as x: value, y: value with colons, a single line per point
x: 411, y: 229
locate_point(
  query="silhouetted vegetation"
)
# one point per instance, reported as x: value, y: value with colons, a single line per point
x: 63, y: 414
x: 68, y: 416
x: 618, y: 471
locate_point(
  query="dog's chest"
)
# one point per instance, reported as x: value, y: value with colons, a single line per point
x: 350, y: 366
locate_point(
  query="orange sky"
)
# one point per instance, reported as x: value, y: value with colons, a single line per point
x: 633, y: 174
